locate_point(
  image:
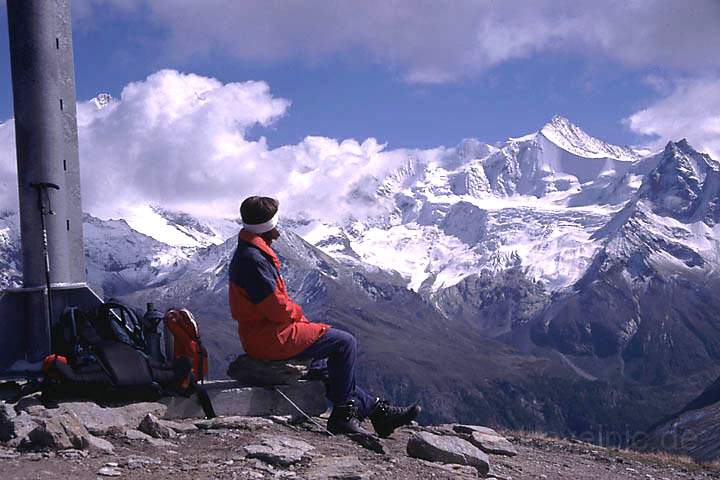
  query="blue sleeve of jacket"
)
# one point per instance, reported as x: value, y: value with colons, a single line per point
x: 255, y: 275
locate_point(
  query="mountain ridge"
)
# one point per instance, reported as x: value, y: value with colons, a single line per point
x: 529, y: 282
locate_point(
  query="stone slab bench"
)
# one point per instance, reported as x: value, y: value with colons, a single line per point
x: 253, y: 372
x: 230, y: 397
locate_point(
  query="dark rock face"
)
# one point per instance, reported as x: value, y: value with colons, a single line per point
x: 694, y: 433
x: 648, y: 303
x: 495, y: 303
x: 648, y: 310
x: 466, y: 222
x: 691, y: 431
x: 684, y: 185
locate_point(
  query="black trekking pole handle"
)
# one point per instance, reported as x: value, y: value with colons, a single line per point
x: 42, y: 187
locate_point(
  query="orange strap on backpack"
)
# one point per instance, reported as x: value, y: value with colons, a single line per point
x: 186, y: 340
x: 49, y: 363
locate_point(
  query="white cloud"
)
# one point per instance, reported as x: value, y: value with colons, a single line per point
x: 689, y: 110
x: 431, y: 42
x: 173, y: 139
x: 179, y: 141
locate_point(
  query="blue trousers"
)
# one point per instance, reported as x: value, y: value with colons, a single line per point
x: 339, y: 349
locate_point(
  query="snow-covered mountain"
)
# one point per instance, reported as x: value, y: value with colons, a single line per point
x: 547, y: 203
x: 152, y: 247
x: 10, y: 255
x: 532, y: 201
x: 559, y: 263
x: 652, y: 291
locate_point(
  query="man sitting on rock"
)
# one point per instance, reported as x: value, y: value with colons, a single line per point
x: 273, y: 327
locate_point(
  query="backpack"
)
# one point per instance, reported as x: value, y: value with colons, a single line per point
x: 79, y: 329
x: 153, y: 336
x: 102, y: 354
x: 186, y: 340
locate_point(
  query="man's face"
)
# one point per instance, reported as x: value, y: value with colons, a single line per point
x: 271, y: 235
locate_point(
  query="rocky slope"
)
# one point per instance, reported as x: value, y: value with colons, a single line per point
x: 652, y: 286
x: 692, y: 431
x: 84, y: 441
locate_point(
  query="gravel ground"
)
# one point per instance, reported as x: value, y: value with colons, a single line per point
x: 220, y: 454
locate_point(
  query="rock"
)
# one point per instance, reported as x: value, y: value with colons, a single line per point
x: 444, y: 429
x: 98, y: 444
x: 459, y: 471
x: 493, y: 444
x: 179, y: 427
x: 261, y: 466
x: 7, y: 410
x: 153, y: 427
x: 371, y: 442
x: 101, y: 420
x: 447, y: 449
x: 486, y: 439
x: 36, y: 411
x: 137, y: 462
x: 469, y: 429
x: 338, y: 468
x: 283, y: 451
x: 72, y: 454
x: 136, y: 435
x: 135, y: 412
x: 13, y: 427
x: 8, y: 455
x: 109, y: 472
x: 234, y: 423
x: 252, y: 372
x: 159, y: 443
x: 61, y: 432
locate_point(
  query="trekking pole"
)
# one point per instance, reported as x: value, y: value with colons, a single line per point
x: 42, y: 187
x: 308, y: 417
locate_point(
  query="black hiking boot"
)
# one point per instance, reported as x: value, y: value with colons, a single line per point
x: 386, y: 418
x: 344, y: 419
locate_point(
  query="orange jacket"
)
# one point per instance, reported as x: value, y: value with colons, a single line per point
x: 271, y: 326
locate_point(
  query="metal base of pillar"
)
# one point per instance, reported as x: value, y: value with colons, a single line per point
x: 24, y: 338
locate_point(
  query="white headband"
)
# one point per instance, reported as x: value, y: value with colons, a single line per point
x: 259, y: 228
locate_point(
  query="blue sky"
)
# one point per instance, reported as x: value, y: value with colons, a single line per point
x: 222, y: 97
x: 347, y: 93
